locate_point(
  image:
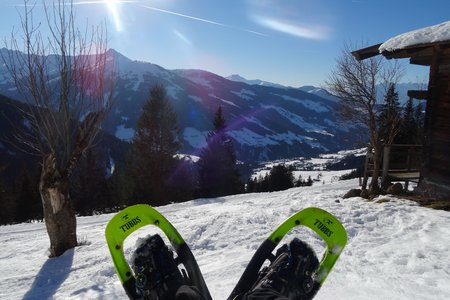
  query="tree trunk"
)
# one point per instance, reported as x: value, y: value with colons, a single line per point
x: 58, y: 214
x: 374, y: 188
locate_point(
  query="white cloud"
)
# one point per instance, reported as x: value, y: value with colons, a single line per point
x: 315, y: 32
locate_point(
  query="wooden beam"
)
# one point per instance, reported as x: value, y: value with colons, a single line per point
x: 415, y: 52
x: 421, y: 61
x: 418, y: 94
x: 367, y: 52
x: 420, y: 51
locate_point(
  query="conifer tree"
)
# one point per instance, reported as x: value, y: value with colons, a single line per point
x: 408, y: 131
x: 251, y: 185
x: 280, y: 178
x: 89, y: 187
x: 263, y: 183
x: 390, y: 116
x: 300, y: 181
x: 7, y: 204
x: 419, y: 118
x: 154, y: 146
x: 218, y: 174
x: 28, y: 205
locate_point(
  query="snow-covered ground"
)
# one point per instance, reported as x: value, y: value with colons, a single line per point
x: 396, y: 249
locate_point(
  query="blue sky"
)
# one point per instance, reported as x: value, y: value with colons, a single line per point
x: 291, y: 42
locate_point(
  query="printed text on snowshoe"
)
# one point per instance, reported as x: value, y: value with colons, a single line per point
x: 130, y: 224
x: 323, y: 228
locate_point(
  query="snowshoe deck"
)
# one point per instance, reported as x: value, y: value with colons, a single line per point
x: 133, y: 218
x: 318, y: 220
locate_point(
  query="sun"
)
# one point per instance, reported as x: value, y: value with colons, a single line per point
x: 113, y: 7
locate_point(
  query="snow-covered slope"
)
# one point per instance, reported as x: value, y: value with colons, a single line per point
x: 396, y: 249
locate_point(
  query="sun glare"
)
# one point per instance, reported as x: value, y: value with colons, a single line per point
x: 113, y: 7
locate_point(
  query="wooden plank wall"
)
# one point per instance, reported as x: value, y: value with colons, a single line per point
x: 438, y: 160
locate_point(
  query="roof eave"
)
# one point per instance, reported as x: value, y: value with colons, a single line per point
x: 367, y: 52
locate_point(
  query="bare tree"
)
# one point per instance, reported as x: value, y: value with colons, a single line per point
x: 355, y: 83
x: 61, y: 72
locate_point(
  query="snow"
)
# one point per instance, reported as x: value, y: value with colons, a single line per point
x: 427, y: 35
x: 124, y: 133
x: 197, y: 78
x: 245, y: 94
x: 309, y: 104
x: 196, y: 98
x: 246, y: 136
x: 252, y: 119
x: 188, y: 157
x: 238, y: 78
x: 194, y: 137
x: 312, y: 167
x: 297, y: 120
x: 172, y: 91
x: 396, y: 249
x: 223, y: 100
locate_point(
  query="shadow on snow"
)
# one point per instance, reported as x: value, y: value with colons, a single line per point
x: 51, y: 276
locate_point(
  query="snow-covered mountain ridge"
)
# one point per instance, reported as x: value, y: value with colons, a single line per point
x: 266, y: 122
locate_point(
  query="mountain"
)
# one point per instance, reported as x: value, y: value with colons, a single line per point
x: 238, y: 78
x: 266, y: 122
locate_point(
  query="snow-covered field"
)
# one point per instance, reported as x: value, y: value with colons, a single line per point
x: 312, y: 167
x: 396, y: 249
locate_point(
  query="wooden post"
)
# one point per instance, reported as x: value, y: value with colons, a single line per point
x: 408, y: 165
x: 366, y: 167
x: 386, y: 158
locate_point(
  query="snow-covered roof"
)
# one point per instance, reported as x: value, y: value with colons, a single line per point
x: 423, y: 36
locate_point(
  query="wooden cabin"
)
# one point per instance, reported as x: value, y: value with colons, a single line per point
x: 428, y: 46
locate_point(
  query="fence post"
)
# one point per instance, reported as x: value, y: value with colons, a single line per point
x: 366, y: 167
x: 386, y: 157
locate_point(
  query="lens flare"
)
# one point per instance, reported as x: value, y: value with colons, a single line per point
x: 113, y: 7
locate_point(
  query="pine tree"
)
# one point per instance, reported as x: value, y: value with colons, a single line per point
x: 419, y: 118
x: 28, y: 202
x: 251, y: 185
x: 300, y: 181
x: 154, y: 146
x: 264, y: 183
x: 280, y: 178
x: 90, y: 191
x: 389, y: 118
x: 408, y: 133
x: 182, y: 181
x: 7, y: 204
x: 218, y: 174
x: 122, y: 185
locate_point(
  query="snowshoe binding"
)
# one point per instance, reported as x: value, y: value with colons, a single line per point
x: 156, y: 271
x: 291, y: 274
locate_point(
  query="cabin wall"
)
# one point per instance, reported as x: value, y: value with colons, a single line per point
x: 436, y: 170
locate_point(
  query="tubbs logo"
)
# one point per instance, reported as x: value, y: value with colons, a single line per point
x: 324, y: 228
x: 327, y: 221
x: 130, y: 224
